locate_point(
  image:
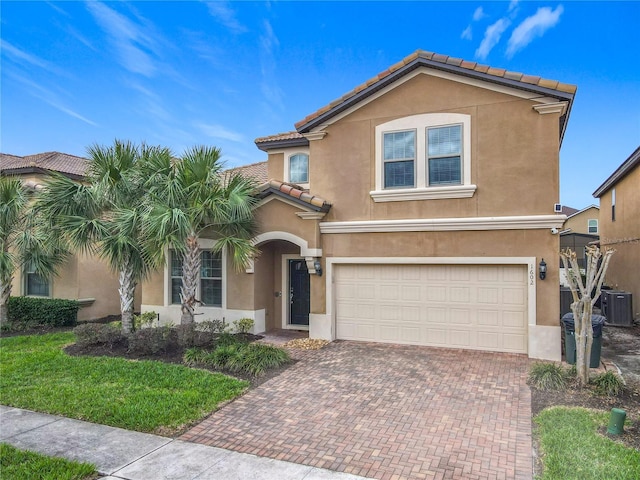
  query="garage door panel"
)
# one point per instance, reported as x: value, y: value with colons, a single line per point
x: 461, y: 306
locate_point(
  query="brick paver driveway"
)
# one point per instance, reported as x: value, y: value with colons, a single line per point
x: 387, y: 411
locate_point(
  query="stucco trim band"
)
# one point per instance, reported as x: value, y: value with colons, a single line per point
x: 429, y: 193
x: 527, y: 222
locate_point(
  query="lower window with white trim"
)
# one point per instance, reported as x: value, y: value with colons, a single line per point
x: 209, y: 281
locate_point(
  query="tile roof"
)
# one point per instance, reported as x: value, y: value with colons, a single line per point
x: 295, y: 193
x: 285, y: 139
x: 440, y: 62
x: 628, y: 165
x: 257, y: 171
x: 568, y: 210
x: 48, y: 161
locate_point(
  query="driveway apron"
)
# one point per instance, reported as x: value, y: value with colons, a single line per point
x: 387, y: 411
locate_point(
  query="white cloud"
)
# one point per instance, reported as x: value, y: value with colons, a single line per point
x: 466, y: 33
x: 38, y: 91
x: 222, y: 12
x: 21, y: 56
x: 218, y: 131
x: 131, y: 41
x: 478, y: 14
x: 513, y: 4
x: 534, y: 26
x: 491, y: 37
x: 268, y: 86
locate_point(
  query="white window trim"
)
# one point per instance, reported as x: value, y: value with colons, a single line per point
x: 203, y: 244
x: 589, y: 226
x: 422, y: 191
x: 288, y: 153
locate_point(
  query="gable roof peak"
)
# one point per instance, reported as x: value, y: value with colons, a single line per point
x: 458, y: 66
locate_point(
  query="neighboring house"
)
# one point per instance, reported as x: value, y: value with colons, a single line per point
x: 415, y: 209
x: 620, y: 226
x: 82, y: 277
x: 580, y: 229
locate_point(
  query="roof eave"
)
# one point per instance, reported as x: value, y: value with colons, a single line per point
x: 45, y: 171
x: 290, y: 142
x: 628, y: 165
x: 307, y: 206
x: 423, y: 62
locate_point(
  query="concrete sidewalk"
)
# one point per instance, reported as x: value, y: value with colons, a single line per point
x: 123, y: 454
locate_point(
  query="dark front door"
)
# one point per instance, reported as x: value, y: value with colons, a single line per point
x: 298, y: 293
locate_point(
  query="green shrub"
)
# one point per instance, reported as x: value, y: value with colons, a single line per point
x: 226, y: 356
x: 244, y: 325
x: 608, y: 384
x: 97, y: 334
x: 212, y: 326
x: 225, y: 339
x: 254, y: 358
x: 143, y: 320
x: 259, y: 357
x: 193, y: 356
x: 547, y: 376
x: 150, y: 341
x: 32, y: 311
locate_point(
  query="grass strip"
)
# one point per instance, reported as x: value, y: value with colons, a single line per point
x: 18, y: 464
x: 146, y: 396
x: 571, y: 447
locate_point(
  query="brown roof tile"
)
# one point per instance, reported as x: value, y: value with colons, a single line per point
x: 294, y: 192
x: 445, y: 60
x: 279, y: 136
x: 51, y: 161
x: 256, y: 171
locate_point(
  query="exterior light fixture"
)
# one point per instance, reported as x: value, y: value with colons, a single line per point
x: 317, y: 267
x: 543, y: 269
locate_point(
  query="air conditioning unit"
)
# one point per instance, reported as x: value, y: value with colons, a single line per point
x: 617, y: 307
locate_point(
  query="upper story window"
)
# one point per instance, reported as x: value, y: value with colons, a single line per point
x: 35, y: 284
x: 592, y: 225
x: 445, y: 153
x: 210, y: 279
x: 424, y: 156
x: 299, y: 168
x: 399, y: 159
x: 613, y: 204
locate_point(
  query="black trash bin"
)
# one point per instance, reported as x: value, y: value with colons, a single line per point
x: 597, y: 322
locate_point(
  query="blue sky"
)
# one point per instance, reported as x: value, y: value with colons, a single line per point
x: 223, y: 73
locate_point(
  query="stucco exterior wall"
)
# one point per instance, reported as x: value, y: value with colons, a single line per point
x: 80, y: 277
x: 278, y: 216
x: 579, y: 223
x: 522, y: 165
x: 623, y: 235
x: 497, y: 243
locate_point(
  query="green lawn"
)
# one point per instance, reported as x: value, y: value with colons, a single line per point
x: 146, y: 396
x: 24, y: 465
x: 571, y: 447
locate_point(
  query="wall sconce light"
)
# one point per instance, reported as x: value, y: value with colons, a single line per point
x: 543, y: 269
x: 317, y: 267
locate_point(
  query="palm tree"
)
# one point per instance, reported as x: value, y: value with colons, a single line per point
x: 103, y: 215
x: 25, y: 239
x: 192, y: 197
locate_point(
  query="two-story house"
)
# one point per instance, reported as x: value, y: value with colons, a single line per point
x: 82, y: 277
x: 416, y: 209
x: 620, y: 226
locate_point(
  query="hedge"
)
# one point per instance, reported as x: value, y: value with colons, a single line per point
x: 54, y: 312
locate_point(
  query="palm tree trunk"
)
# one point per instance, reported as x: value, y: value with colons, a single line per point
x: 127, y: 290
x: 5, y: 293
x: 190, y: 268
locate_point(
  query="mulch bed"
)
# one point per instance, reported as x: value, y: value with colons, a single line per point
x: 172, y: 355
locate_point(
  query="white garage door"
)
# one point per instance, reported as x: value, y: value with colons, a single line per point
x: 482, y: 307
